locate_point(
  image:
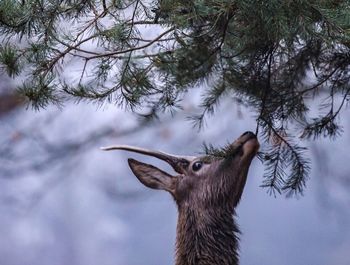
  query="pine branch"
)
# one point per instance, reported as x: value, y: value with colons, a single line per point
x: 111, y: 54
x: 283, y: 154
x: 210, y: 100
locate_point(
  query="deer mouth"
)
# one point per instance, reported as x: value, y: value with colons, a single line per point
x: 250, y: 144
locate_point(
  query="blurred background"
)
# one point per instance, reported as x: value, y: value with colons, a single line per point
x: 63, y: 201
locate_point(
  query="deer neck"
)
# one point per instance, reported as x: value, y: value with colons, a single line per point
x: 207, y: 236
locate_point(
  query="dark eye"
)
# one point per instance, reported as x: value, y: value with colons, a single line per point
x: 197, y: 166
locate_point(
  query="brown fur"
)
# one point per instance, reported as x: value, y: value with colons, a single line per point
x: 206, y: 198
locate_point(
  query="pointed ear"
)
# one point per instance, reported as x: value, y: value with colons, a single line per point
x: 152, y: 177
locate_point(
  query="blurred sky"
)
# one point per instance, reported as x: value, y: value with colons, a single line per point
x: 77, y: 205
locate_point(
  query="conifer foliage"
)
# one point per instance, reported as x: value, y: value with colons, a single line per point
x: 272, y: 56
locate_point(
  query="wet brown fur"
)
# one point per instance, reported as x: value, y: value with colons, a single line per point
x: 206, y: 231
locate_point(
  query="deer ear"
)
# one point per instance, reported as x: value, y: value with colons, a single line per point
x: 152, y: 177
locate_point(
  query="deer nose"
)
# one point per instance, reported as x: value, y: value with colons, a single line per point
x: 249, y: 134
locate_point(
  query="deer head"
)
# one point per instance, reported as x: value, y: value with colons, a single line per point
x: 206, y: 190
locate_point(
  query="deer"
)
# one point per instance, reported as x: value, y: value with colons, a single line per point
x: 206, y: 190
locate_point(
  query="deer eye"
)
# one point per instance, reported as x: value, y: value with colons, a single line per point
x: 197, y: 165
